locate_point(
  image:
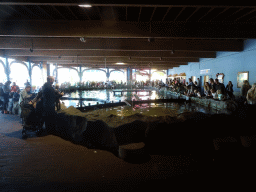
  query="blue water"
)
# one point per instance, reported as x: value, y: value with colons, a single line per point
x: 102, y: 96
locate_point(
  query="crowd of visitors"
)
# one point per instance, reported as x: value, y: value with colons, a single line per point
x: 11, y: 96
x: 212, y: 89
x: 113, y: 84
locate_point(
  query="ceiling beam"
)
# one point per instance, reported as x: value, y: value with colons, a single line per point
x: 122, y: 29
x: 128, y: 4
x: 109, y: 59
x: 122, y: 44
x: 114, y: 65
x: 107, y: 54
x: 120, y: 67
x: 109, y: 62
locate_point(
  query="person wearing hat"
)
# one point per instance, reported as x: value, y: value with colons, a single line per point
x: 25, y: 93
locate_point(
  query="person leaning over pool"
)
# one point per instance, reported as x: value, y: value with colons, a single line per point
x: 207, y: 89
x: 229, y: 90
x: 212, y: 84
x: 219, y: 86
x: 244, y: 89
x: 251, y: 95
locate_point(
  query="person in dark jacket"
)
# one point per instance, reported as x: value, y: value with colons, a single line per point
x: 15, y: 100
x: 58, y: 95
x: 220, y: 86
x: 47, y: 98
x: 229, y: 90
x: 2, y: 96
x: 6, y: 89
x: 212, y: 84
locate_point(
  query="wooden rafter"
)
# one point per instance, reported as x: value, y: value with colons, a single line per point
x: 152, y: 14
x: 192, y: 13
x: 206, y: 14
x: 59, y: 13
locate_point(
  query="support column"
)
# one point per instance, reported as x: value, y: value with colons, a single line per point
x: 56, y: 73
x: 7, y: 68
x: 150, y: 84
x: 44, y: 71
x: 48, y: 69
x: 80, y: 74
x: 108, y: 74
x: 30, y: 72
x: 129, y: 76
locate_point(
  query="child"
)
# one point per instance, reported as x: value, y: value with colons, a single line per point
x: 197, y: 94
x: 214, y: 94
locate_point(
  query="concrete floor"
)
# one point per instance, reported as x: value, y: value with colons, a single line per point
x: 49, y: 163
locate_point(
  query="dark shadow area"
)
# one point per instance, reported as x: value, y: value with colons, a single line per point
x: 187, y: 133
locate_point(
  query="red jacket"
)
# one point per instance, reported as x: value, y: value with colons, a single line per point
x: 14, y: 88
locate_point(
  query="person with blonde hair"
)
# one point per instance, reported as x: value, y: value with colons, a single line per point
x: 251, y: 95
x: 207, y: 89
x: 244, y: 89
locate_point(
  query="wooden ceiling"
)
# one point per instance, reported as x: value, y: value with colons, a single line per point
x: 156, y: 35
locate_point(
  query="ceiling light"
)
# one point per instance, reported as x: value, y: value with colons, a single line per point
x: 85, y: 5
x: 120, y: 63
x: 83, y: 39
x: 151, y: 39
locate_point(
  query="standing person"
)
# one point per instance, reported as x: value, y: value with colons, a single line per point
x: 207, y: 89
x: 191, y: 85
x: 48, y: 105
x: 25, y: 93
x: 219, y: 86
x: 212, y: 84
x: 244, y: 89
x: 14, y: 87
x: 190, y: 82
x: 229, y: 90
x: 198, y: 85
x: 251, y: 95
x: 27, y: 83
x: 15, y: 100
x: 58, y: 95
x: 6, y: 90
x: 1, y: 96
